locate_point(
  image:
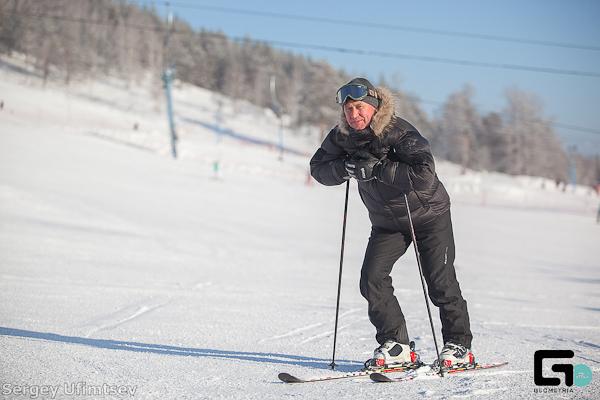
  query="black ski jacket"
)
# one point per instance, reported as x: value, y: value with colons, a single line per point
x: 407, y: 167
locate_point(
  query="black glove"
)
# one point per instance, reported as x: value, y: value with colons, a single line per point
x: 361, y: 166
x: 395, y: 174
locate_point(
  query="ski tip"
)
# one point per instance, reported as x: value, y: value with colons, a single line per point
x: 378, y: 377
x: 287, y: 378
x: 493, y: 365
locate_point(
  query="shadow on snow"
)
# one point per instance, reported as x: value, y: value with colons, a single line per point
x: 272, y: 358
x: 241, y: 137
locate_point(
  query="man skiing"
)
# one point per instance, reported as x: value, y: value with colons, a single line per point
x: 389, y: 158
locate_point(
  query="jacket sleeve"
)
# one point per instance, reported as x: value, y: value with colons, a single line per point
x: 327, y: 164
x: 411, y: 164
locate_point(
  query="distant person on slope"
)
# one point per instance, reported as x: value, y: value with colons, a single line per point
x: 388, y: 157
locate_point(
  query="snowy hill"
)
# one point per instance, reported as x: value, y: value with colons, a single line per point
x: 211, y: 127
x: 121, y: 266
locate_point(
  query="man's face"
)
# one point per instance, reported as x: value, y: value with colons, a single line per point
x: 358, y: 114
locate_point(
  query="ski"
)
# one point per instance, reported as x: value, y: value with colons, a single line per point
x: 289, y: 378
x: 429, y: 370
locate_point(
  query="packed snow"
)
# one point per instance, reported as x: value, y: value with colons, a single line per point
x: 128, y: 273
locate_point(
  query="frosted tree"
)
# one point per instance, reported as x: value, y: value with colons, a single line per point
x: 457, y: 129
x: 533, y: 147
x: 408, y: 108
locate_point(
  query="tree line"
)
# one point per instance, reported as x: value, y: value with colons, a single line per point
x: 79, y: 39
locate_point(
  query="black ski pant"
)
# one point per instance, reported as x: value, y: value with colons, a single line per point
x: 436, y: 246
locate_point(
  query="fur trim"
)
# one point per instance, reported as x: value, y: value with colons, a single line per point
x: 381, y: 119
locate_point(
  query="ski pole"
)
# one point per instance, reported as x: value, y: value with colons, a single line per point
x: 337, y: 306
x: 414, y: 239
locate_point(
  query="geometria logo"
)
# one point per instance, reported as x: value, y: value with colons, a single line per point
x: 578, y: 375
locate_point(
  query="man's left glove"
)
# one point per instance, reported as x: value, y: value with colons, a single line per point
x: 361, y: 166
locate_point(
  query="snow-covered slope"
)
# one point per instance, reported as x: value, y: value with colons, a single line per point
x: 121, y: 266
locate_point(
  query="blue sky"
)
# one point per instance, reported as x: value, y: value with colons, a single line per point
x: 572, y: 100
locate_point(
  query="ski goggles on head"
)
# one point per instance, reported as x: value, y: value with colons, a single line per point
x: 355, y: 92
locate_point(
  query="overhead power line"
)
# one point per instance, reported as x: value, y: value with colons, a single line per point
x: 576, y: 128
x: 298, y: 45
x: 373, y: 25
x: 433, y: 59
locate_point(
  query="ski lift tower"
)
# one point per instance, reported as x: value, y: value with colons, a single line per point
x: 278, y: 109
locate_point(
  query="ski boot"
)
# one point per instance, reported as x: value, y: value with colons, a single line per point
x: 392, y: 354
x: 456, y: 355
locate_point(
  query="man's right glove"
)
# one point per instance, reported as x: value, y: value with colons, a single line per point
x: 361, y: 166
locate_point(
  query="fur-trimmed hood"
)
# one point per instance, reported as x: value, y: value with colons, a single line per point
x: 382, y: 118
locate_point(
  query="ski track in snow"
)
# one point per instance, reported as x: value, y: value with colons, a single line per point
x: 578, y: 342
x: 120, y: 317
x: 330, y: 333
x: 293, y: 332
x: 477, y: 392
x: 561, y: 327
x: 320, y: 335
x: 202, y: 284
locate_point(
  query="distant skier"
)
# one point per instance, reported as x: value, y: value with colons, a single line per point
x: 389, y: 157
